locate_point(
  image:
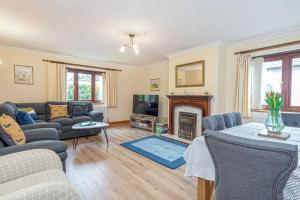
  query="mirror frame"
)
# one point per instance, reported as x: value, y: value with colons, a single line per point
x: 187, y: 64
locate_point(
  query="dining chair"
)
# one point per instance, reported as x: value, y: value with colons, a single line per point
x: 291, y: 119
x: 250, y: 169
x: 214, y: 123
x: 232, y: 119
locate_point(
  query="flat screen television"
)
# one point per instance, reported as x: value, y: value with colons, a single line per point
x: 145, y: 104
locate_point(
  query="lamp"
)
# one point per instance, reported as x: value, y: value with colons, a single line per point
x: 131, y: 45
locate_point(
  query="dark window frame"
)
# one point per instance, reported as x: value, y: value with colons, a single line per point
x: 286, y: 84
x: 93, y: 83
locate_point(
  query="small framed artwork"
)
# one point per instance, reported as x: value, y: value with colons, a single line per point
x: 155, y: 84
x: 23, y: 74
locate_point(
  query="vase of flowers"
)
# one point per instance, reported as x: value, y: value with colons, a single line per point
x: 275, y: 102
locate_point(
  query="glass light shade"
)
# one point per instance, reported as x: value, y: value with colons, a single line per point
x: 137, y: 52
x: 135, y: 46
x: 0, y: 61
x: 122, y: 48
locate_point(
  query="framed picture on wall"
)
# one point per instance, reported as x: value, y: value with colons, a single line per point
x: 23, y: 74
x: 155, y: 84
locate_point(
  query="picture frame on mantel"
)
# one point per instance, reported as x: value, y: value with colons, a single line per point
x: 23, y: 74
x: 190, y: 74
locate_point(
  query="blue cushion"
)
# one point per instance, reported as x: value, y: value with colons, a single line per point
x: 30, y: 111
x: 24, y: 118
x: 80, y: 109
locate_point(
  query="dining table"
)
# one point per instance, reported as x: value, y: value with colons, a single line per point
x: 199, y: 163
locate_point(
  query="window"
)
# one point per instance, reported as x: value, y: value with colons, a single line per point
x: 281, y: 73
x: 84, y: 85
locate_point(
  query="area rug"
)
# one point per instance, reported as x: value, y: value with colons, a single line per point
x: 163, y: 151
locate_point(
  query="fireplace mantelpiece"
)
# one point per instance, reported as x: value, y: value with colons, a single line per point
x: 197, y: 101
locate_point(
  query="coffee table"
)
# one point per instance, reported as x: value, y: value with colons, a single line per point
x: 84, y: 126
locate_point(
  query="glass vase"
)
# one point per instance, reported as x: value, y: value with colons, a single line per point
x: 274, y: 121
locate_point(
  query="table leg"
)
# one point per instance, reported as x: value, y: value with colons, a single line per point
x: 105, y: 134
x: 204, y: 189
x: 76, y: 138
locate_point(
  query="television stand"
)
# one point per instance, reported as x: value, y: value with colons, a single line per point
x: 143, y: 121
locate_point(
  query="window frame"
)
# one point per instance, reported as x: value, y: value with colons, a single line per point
x: 286, y: 82
x: 93, y: 83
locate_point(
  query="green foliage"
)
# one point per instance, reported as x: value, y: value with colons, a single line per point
x: 274, y: 100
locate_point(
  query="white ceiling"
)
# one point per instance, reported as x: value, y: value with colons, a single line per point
x: 95, y: 28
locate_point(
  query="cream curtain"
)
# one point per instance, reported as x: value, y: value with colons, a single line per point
x: 56, y: 81
x: 256, y: 73
x: 242, y: 100
x: 110, y: 89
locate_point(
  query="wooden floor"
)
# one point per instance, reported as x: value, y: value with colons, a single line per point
x: 98, y: 172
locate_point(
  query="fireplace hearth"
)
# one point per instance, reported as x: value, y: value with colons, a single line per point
x: 187, y: 123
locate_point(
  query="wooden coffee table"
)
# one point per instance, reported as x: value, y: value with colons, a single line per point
x: 83, y: 126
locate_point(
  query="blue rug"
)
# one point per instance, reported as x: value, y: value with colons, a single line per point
x: 163, y: 151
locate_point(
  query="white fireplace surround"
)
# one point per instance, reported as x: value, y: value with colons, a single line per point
x: 189, y: 109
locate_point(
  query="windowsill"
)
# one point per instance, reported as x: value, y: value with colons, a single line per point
x: 259, y: 110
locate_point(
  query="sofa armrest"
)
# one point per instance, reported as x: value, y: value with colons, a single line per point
x: 17, y: 165
x: 57, y: 126
x: 41, y: 134
x: 96, y: 116
x: 45, y: 191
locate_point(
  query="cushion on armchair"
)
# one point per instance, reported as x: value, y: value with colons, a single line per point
x: 10, y: 131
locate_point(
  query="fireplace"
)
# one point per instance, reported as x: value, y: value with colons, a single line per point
x: 187, y: 125
x: 197, y: 106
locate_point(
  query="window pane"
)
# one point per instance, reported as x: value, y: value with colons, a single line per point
x: 99, y: 88
x: 295, y: 95
x: 271, y: 78
x: 70, y: 86
x: 84, y: 86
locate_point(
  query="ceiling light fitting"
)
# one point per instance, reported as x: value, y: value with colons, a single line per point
x: 131, y: 45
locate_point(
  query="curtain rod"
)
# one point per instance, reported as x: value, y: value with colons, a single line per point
x: 80, y: 65
x: 269, y: 47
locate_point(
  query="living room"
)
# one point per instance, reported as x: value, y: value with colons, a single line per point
x: 131, y: 96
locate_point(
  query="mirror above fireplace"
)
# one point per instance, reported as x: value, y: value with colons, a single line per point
x: 190, y: 74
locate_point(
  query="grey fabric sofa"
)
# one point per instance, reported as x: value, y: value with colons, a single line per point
x: 34, y: 175
x: 42, y: 138
x: 250, y: 169
x: 63, y: 125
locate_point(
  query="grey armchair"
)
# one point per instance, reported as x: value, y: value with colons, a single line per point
x: 214, y: 123
x: 232, y: 119
x: 250, y: 169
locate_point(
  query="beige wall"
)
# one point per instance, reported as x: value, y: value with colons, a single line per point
x: 152, y: 71
x: 211, y: 57
x: 127, y: 84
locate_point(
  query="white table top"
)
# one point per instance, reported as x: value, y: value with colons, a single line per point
x: 199, y: 162
x: 97, y: 125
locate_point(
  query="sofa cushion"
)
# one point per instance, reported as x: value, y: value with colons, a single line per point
x: 64, y: 121
x: 10, y: 131
x: 54, y: 145
x: 24, y: 118
x: 79, y: 109
x: 30, y: 111
x: 79, y: 119
x: 39, y: 121
x: 58, y: 111
x: 8, y: 109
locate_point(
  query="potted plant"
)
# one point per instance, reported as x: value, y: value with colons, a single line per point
x: 275, y: 102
